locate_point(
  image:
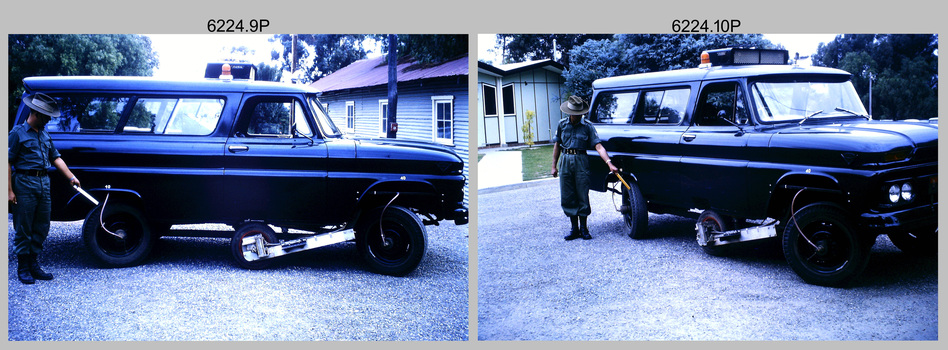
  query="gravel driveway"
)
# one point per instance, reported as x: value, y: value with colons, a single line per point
x: 190, y: 289
x: 533, y: 285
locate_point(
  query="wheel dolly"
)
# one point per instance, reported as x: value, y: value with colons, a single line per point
x: 257, y: 248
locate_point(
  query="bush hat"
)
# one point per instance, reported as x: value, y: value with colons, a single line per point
x: 574, y: 105
x: 42, y: 103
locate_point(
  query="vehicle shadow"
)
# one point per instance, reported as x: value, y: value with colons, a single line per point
x: 887, y: 264
x: 216, y: 251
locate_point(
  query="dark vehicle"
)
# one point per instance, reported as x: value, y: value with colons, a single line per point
x: 757, y: 148
x: 248, y: 154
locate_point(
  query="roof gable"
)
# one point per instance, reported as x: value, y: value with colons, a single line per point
x: 513, y: 68
x: 374, y: 71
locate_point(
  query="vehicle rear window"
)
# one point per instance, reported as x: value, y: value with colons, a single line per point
x: 175, y: 116
x: 663, y: 106
x: 88, y: 114
x: 615, y: 108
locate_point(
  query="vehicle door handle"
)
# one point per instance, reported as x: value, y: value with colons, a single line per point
x: 689, y: 137
x: 235, y: 149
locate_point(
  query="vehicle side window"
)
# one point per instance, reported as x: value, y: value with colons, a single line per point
x: 720, y: 103
x: 278, y: 119
x: 615, y: 108
x: 88, y: 114
x: 185, y: 116
x: 663, y: 107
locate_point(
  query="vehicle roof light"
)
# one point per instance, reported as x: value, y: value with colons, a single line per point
x: 743, y: 56
x: 225, y: 73
x: 238, y: 70
x: 705, y: 60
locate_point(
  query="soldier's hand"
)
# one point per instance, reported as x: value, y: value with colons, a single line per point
x: 74, y: 181
x: 12, y: 197
x: 612, y: 168
x: 555, y: 172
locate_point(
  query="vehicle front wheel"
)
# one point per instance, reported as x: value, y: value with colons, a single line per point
x: 392, y: 242
x: 634, y: 213
x: 122, y: 237
x: 244, y: 248
x: 822, y: 248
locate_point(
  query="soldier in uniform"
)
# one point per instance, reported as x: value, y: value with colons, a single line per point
x: 575, y: 135
x: 30, y: 154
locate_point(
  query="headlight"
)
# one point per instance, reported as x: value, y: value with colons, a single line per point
x: 907, y: 193
x: 894, y: 193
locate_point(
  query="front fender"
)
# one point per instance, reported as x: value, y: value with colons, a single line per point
x: 78, y: 206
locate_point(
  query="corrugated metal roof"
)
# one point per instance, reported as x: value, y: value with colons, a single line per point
x: 374, y: 71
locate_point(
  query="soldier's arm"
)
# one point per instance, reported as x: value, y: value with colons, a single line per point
x: 61, y: 165
x: 605, y: 157
x: 556, y: 157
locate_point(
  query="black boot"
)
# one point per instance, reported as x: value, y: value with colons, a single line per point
x: 574, y: 231
x: 37, y: 271
x: 583, y: 230
x: 23, y: 269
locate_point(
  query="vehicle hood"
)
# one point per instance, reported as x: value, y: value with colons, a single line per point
x: 867, y: 143
x: 406, y: 156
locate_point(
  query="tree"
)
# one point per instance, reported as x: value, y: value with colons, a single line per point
x: 904, y: 69
x: 641, y: 53
x: 318, y: 55
x: 75, y: 54
x: 266, y: 72
x: 530, y: 47
x: 432, y: 49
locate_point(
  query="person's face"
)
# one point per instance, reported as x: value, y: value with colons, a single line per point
x: 575, y: 118
x: 40, y: 119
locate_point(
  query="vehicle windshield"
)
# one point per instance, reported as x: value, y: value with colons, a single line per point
x: 797, y: 101
x: 328, y: 128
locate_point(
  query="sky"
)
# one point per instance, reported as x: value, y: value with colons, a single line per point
x: 805, y: 44
x: 184, y: 56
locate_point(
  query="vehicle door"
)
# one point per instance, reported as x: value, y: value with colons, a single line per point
x: 643, y: 127
x: 275, y: 163
x: 714, y: 149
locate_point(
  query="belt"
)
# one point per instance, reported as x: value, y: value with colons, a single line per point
x: 31, y: 172
x: 574, y: 151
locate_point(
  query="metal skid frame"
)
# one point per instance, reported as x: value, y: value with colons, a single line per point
x: 262, y: 250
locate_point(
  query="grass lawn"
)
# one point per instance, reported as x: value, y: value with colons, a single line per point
x: 537, y: 162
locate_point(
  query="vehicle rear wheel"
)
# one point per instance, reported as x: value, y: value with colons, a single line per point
x: 244, y: 248
x: 921, y: 242
x: 129, y: 242
x: 821, y: 247
x: 393, y: 242
x: 635, y: 213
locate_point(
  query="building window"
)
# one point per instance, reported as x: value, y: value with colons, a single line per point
x: 443, y: 116
x: 508, y: 92
x: 490, y: 100
x: 350, y: 115
x: 383, y: 118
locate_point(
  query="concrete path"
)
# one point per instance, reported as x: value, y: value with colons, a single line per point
x: 498, y: 168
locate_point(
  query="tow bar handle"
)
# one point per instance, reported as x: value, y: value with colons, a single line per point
x: 86, y: 194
